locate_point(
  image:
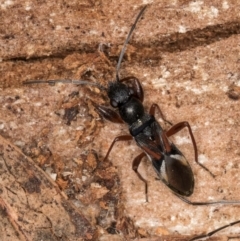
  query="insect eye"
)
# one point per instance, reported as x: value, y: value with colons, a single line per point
x: 113, y: 103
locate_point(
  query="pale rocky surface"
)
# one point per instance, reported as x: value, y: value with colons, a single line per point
x: 186, y: 54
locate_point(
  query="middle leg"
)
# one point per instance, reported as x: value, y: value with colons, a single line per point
x: 118, y: 138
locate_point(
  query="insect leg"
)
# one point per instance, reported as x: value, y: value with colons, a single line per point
x: 178, y: 127
x: 135, y: 164
x: 108, y: 114
x: 173, y: 130
x: 153, y: 110
x: 118, y: 138
x: 214, y: 231
x: 136, y: 87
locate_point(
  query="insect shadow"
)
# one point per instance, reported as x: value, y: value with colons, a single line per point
x: 126, y: 96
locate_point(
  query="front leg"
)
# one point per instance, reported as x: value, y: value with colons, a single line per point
x: 108, y: 114
x: 136, y: 87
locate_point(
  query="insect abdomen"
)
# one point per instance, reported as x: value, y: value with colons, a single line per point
x: 176, y: 173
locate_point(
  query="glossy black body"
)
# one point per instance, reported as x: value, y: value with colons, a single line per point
x: 169, y: 163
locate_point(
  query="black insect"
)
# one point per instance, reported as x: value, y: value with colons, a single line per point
x: 126, y: 96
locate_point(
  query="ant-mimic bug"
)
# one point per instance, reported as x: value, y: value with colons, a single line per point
x: 126, y: 96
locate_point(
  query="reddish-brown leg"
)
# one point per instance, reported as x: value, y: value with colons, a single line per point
x: 135, y: 164
x: 173, y: 130
x: 108, y: 114
x: 136, y: 87
x: 153, y: 111
x: 118, y: 138
x: 178, y: 127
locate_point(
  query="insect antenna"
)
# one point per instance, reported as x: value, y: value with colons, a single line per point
x: 77, y: 82
x: 84, y: 82
x: 126, y: 42
x: 207, y: 235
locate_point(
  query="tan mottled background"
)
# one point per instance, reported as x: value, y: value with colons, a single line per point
x: 186, y: 54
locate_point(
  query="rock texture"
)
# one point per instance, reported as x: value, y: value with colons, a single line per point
x: 185, y: 54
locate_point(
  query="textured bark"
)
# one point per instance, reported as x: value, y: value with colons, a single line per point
x: 185, y: 54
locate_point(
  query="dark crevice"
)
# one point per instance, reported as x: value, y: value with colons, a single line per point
x: 56, y: 54
x: 172, y: 43
x: 195, y: 38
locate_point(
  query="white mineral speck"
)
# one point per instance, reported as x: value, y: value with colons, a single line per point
x: 182, y: 29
